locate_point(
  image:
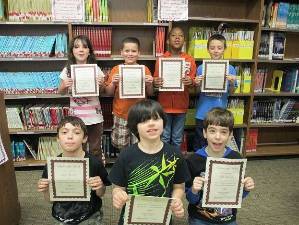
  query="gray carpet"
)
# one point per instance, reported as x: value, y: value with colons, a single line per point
x: 275, y: 200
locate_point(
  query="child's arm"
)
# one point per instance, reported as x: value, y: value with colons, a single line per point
x: 65, y: 85
x: 97, y: 185
x: 232, y: 86
x: 192, y: 193
x: 101, y: 83
x: 119, y: 196
x: 187, y: 81
x: 43, y: 186
x: 110, y: 88
x: 149, y: 85
x: 177, y: 204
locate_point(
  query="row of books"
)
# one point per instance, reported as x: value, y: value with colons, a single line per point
x: 43, y: 10
x: 236, y: 106
x: 100, y: 37
x: 243, y: 78
x: 34, y: 46
x: 35, y: 117
x: 48, y: 147
x: 282, y: 80
x: 152, y: 11
x: 96, y: 11
x: 159, y: 41
x: 251, y: 143
x: 2, y: 10
x: 239, y: 43
x: 275, y: 110
x: 29, y: 82
x: 281, y: 15
x: 272, y: 46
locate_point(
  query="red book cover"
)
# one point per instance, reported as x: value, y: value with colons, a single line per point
x: 110, y: 40
x: 100, y: 39
x: 251, y: 143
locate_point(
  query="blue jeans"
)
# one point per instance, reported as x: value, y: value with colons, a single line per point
x: 174, y: 129
x: 194, y: 221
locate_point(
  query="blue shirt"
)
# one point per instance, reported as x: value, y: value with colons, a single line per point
x: 207, y: 100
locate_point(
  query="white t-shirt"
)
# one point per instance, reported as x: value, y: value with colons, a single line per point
x: 87, y: 108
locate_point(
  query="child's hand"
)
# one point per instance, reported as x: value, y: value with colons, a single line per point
x: 95, y: 183
x: 68, y: 82
x: 100, y: 81
x: 198, y: 79
x: 248, y: 183
x: 230, y: 78
x: 119, y: 198
x: 177, y: 207
x: 158, y: 82
x: 43, y: 185
x: 148, y: 79
x: 197, y: 184
x: 187, y: 80
x: 115, y: 79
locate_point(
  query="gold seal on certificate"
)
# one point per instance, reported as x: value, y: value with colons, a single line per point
x: 214, y: 72
x: 132, y: 81
x: 85, y: 80
x: 223, y: 187
x: 147, y: 210
x: 68, y: 179
x: 172, y: 70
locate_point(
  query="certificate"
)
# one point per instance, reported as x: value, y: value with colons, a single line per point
x: 68, y: 179
x: 132, y: 81
x: 147, y: 210
x: 85, y: 80
x: 172, y: 70
x: 214, y: 72
x: 223, y: 188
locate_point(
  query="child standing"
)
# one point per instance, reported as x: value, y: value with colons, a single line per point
x: 218, y: 127
x: 133, y: 171
x: 121, y: 137
x: 175, y: 103
x: 86, y: 108
x: 72, y: 134
x: 206, y: 101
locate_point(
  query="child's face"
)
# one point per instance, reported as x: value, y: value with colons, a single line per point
x: 217, y: 137
x: 176, y: 39
x: 80, y: 52
x: 216, y: 49
x: 130, y: 53
x: 71, y: 138
x: 150, y: 130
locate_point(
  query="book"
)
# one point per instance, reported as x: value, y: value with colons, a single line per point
x: 251, y: 142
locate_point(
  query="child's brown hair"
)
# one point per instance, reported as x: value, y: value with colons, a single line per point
x: 131, y: 40
x: 219, y: 117
x: 75, y: 121
x: 218, y: 37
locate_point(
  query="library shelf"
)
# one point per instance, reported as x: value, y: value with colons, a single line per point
x: 279, y: 29
x: 30, y: 163
x: 284, y: 61
x: 230, y: 60
x: 120, y: 58
x: 32, y: 59
x: 143, y: 24
x: 252, y: 125
x: 33, y: 96
x: 275, y: 149
x: 228, y: 20
x: 44, y: 131
x: 276, y: 94
x: 240, y: 95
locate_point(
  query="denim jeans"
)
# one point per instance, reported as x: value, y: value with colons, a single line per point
x: 174, y: 129
x: 193, y: 221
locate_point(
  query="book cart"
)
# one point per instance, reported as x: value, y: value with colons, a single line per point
x: 129, y: 18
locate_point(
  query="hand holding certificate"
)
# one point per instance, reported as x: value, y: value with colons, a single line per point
x: 224, y: 187
x: 214, y: 72
x: 147, y: 210
x: 68, y: 179
x: 85, y: 80
x: 171, y: 70
x: 132, y: 81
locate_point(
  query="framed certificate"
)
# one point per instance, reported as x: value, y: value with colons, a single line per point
x: 224, y: 188
x: 68, y: 179
x: 147, y: 210
x: 214, y: 72
x: 172, y: 70
x: 85, y: 80
x: 132, y: 81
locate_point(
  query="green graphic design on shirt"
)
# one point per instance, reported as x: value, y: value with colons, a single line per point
x: 152, y: 175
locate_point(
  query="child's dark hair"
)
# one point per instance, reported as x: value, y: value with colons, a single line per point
x: 142, y: 111
x: 75, y: 121
x: 91, y: 59
x: 219, y: 117
x: 172, y: 29
x: 218, y: 37
x: 131, y: 40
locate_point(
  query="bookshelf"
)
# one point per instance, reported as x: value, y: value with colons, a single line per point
x: 129, y: 18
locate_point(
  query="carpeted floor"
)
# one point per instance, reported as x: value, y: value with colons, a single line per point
x: 275, y: 201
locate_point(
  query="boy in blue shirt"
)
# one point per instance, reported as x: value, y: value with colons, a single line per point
x: 218, y: 127
x: 216, y: 46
